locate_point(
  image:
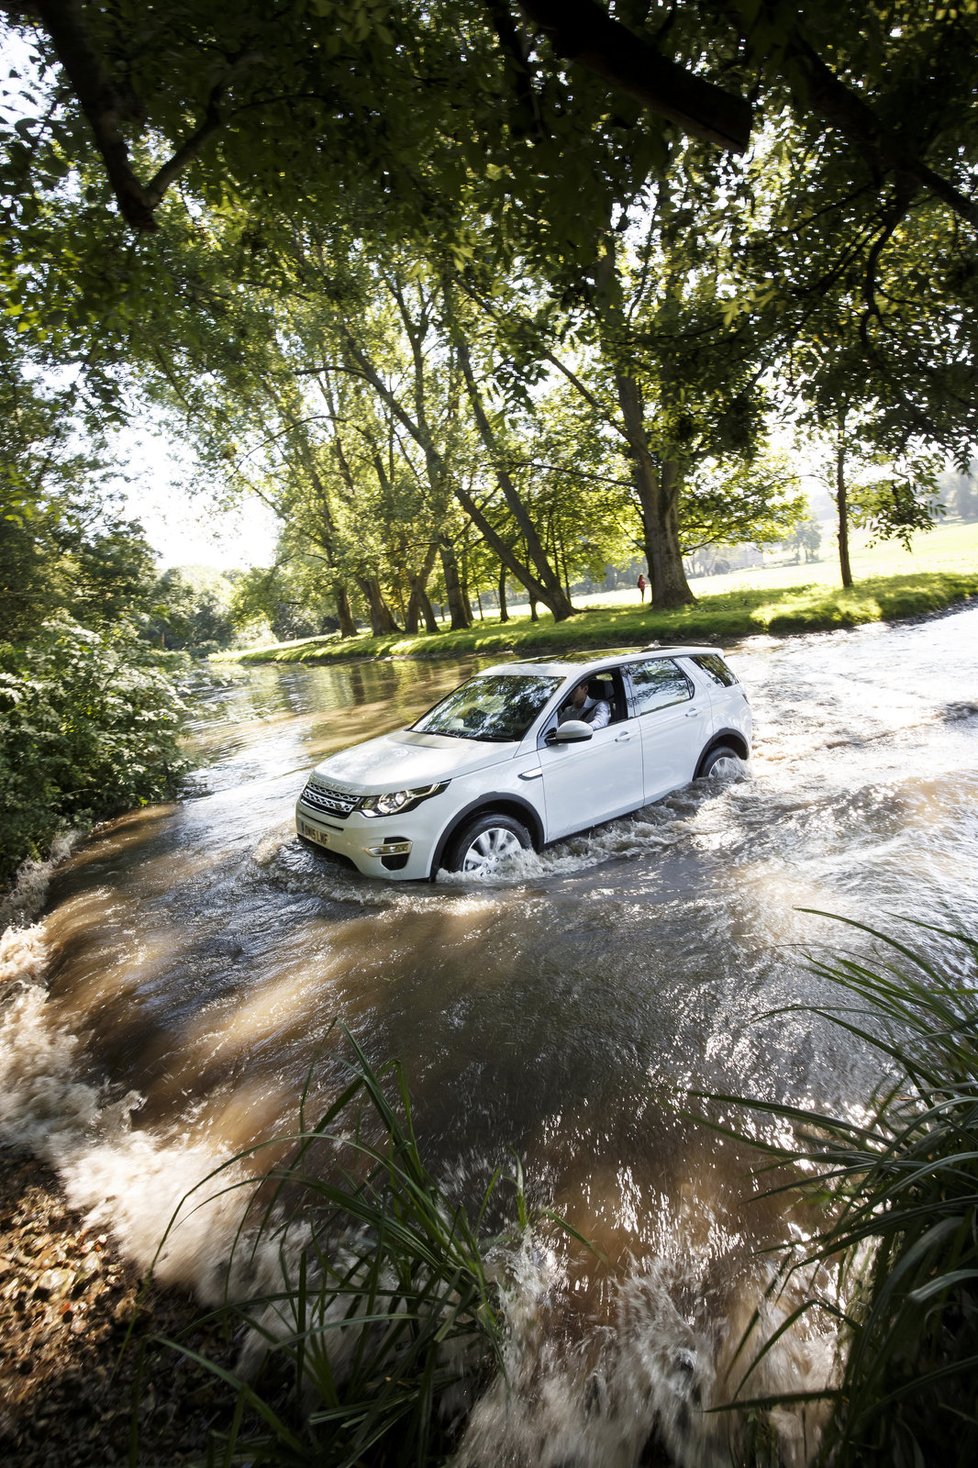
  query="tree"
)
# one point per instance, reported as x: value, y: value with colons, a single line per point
x: 805, y: 540
x: 870, y: 292
x: 536, y: 570
x: 891, y: 493
x: 285, y: 599
x: 64, y: 546
x: 670, y: 375
x: 960, y: 491
x: 195, y: 85
x: 188, y: 614
x: 467, y: 134
x: 88, y: 726
x: 197, y: 80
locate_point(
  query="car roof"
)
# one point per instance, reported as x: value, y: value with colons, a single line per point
x: 578, y: 663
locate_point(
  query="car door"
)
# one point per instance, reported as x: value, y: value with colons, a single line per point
x: 586, y: 783
x: 728, y: 700
x: 674, y: 720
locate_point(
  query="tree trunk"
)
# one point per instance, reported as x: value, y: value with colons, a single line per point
x: 657, y: 479
x: 842, y: 505
x: 552, y: 594
x: 344, y: 612
x: 382, y: 622
x: 418, y: 604
x: 459, y: 611
x: 428, y: 613
x: 669, y: 589
x: 657, y: 487
x: 565, y: 574
x: 503, y: 608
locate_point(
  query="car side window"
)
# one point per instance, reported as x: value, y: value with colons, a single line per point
x: 715, y: 669
x: 659, y: 683
x: 605, y: 686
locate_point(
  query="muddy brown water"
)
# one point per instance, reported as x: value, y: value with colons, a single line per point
x: 186, y: 976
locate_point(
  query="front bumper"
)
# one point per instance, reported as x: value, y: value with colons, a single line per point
x: 377, y: 847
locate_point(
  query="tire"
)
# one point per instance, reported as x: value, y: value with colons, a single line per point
x: 710, y: 761
x: 484, y: 841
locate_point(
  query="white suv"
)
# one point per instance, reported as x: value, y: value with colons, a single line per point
x: 518, y: 757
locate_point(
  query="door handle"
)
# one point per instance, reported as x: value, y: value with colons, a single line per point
x: 692, y: 713
x: 622, y: 738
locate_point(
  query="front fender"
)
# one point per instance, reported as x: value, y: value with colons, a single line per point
x: 498, y: 800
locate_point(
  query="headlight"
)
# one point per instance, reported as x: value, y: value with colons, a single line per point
x: 399, y: 800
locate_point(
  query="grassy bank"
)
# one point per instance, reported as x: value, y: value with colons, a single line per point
x: 719, y: 617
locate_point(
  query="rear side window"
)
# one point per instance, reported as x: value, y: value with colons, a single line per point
x: 657, y: 684
x: 715, y: 668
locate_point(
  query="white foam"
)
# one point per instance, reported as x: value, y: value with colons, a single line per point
x: 175, y: 1207
x: 43, y: 1106
x: 26, y: 897
x: 23, y: 957
x: 648, y: 1377
x: 129, y: 1182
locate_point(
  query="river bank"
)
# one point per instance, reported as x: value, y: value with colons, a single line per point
x: 79, y: 1358
x: 725, y: 618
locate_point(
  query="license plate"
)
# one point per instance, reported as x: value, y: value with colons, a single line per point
x: 320, y: 837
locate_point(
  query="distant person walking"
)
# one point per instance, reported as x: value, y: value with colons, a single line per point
x: 641, y: 584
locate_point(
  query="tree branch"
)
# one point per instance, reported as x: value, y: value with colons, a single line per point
x: 101, y: 101
x: 581, y: 31
x: 848, y: 112
x: 525, y: 112
x: 106, y: 108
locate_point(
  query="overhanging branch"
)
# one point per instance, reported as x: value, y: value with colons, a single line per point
x: 106, y: 108
x: 844, y: 109
x: 581, y: 31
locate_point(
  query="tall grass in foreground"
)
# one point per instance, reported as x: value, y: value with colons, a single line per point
x: 899, y: 1186
x: 384, y: 1320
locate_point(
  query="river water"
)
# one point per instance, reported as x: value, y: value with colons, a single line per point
x: 183, y: 981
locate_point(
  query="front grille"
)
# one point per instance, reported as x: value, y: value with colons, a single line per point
x: 325, y: 797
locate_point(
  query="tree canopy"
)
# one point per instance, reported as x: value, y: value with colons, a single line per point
x: 450, y: 255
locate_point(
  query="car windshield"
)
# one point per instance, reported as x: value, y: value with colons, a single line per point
x: 499, y: 707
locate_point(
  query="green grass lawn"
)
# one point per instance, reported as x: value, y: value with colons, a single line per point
x: 950, y: 547
x: 891, y: 585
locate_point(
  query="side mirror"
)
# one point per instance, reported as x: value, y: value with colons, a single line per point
x: 571, y: 731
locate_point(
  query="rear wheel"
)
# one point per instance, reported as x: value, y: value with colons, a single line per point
x: 484, y: 842
x: 710, y: 762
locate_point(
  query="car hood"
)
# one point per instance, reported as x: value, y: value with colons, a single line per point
x: 405, y: 760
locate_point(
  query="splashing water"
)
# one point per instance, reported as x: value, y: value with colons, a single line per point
x: 181, y: 987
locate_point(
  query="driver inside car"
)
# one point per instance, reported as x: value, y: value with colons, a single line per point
x: 593, y: 711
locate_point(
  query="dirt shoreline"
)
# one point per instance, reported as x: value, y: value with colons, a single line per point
x: 80, y: 1367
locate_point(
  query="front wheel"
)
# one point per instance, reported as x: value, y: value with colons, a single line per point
x: 485, y: 842
x: 709, y: 764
